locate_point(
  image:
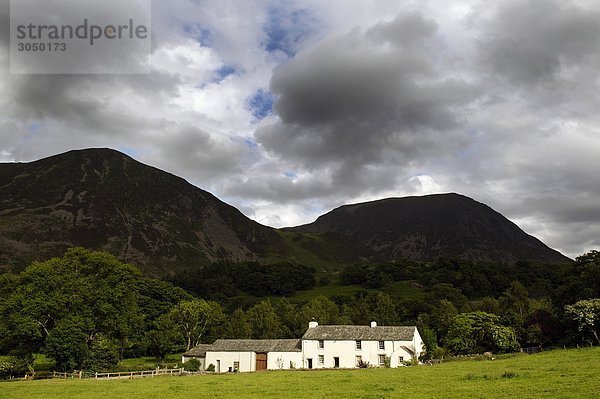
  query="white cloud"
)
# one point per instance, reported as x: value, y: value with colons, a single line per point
x: 381, y: 99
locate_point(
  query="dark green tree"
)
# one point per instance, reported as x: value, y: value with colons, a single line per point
x: 67, y: 343
x: 237, y: 326
x: 84, y: 294
x: 264, y: 321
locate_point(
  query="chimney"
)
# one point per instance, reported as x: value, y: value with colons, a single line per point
x: 373, y: 324
x: 313, y: 324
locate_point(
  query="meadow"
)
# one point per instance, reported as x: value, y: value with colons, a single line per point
x: 571, y: 373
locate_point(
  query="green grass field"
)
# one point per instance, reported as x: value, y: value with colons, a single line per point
x: 553, y: 374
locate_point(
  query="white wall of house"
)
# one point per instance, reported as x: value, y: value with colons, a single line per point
x: 284, y: 360
x: 348, y: 353
x: 247, y: 360
x: 224, y: 360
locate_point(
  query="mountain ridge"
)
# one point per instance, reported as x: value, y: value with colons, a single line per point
x: 103, y: 199
x: 417, y: 227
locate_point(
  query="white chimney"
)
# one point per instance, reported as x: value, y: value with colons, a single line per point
x: 373, y: 324
x: 313, y: 324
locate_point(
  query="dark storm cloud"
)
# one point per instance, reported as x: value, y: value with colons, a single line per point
x: 197, y: 152
x: 366, y: 98
x: 533, y: 42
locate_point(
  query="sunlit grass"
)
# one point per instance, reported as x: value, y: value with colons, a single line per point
x: 554, y: 374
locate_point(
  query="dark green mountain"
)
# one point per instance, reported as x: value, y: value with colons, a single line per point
x: 103, y: 199
x: 433, y: 226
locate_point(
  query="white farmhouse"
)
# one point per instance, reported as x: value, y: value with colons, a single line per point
x: 320, y: 347
x: 347, y: 346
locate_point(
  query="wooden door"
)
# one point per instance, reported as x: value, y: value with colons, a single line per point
x: 261, y: 361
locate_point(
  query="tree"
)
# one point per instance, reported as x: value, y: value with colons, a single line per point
x: 515, y: 300
x: 586, y: 313
x: 588, y: 268
x: 163, y: 338
x: 292, y: 325
x: 193, y: 319
x: 384, y: 310
x: 321, y: 309
x: 443, y: 316
x: 264, y: 321
x: 76, y: 298
x: 237, y: 326
x: 157, y: 297
x: 479, y: 331
x: 103, y: 355
x: 67, y: 343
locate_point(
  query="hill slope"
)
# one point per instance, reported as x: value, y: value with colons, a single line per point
x: 425, y: 228
x: 103, y: 199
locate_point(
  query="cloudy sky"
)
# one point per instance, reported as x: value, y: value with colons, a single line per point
x: 287, y: 109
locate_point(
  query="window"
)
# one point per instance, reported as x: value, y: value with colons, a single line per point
x: 236, y: 366
x: 381, y: 344
x: 358, y: 345
x: 321, y: 359
x: 381, y: 359
x: 321, y: 344
x: 400, y: 359
x: 358, y: 360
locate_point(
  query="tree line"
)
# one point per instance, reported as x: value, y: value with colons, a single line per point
x: 87, y: 310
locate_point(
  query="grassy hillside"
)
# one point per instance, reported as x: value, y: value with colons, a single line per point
x: 554, y: 374
x: 326, y: 252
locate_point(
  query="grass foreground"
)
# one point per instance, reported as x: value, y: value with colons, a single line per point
x: 571, y: 373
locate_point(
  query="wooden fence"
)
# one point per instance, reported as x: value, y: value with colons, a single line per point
x: 127, y: 375
x: 532, y: 350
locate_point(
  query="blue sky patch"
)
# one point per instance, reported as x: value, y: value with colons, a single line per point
x: 291, y: 175
x: 225, y: 71
x: 200, y: 34
x: 261, y: 104
x: 251, y: 143
x: 285, y: 29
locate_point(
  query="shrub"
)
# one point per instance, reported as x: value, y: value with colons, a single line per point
x: 362, y: 364
x: 210, y: 368
x: 412, y: 362
x: 192, y: 365
x: 388, y: 362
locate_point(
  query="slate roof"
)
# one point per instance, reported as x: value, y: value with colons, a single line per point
x: 408, y: 350
x: 361, y: 333
x: 197, y: 351
x: 256, y: 345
